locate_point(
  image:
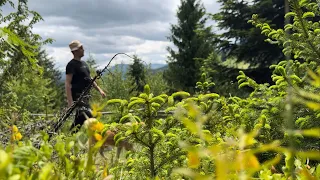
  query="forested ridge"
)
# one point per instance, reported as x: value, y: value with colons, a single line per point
x: 240, y: 104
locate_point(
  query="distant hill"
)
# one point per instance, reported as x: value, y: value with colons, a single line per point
x: 154, y: 67
x: 165, y: 67
x: 124, y: 67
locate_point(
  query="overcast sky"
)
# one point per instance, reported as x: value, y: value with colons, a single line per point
x: 106, y: 27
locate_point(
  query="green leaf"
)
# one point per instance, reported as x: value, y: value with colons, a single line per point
x: 4, y: 160
x: 266, y: 31
x: 314, y: 155
x: 208, y: 96
x: 192, y: 99
x: 157, y: 99
x: 114, y: 101
x: 296, y: 78
x: 204, y: 106
x: 134, y: 98
x: 136, y: 102
x: 147, y: 89
x: 128, y: 132
x: 308, y: 15
x: 275, y: 78
x: 313, y: 105
x: 70, y: 145
x: 164, y: 96
x: 126, y: 117
x: 45, y: 172
x: 272, y: 33
x: 155, y: 105
x: 190, y: 125
x: 16, y: 177
x: 170, y: 101
x: 290, y: 14
x: 158, y: 132
x: 288, y: 27
x: 242, y: 76
x: 144, y: 96
x: 181, y: 94
x: 170, y: 109
x: 281, y: 70
x: 318, y: 171
x: 117, y: 136
x: 266, y: 27
x: 137, y: 118
x: 314, y: 132
x: 119, y: 140
x: 244, y: 84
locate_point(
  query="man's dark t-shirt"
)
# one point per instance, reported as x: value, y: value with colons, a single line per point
x: 81, y: 77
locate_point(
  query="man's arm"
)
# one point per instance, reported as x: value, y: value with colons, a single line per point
x: 95, y: 85
x: 68, y: 89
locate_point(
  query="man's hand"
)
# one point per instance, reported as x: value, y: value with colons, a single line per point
x: 102, y: 94
x: 69, y: 103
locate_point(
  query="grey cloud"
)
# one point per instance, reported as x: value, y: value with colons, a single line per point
x: 108, y: 26
x: 95, y: 42
x: 127, y: 23
x: 151, y: 31
x: 101, y: 13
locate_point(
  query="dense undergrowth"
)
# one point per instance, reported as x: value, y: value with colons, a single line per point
x: 271, y: 134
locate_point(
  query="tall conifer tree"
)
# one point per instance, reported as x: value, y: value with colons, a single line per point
x: 23, y: 76
x: 136, y: 72
x: 192, y: 40
x: 243, y: 41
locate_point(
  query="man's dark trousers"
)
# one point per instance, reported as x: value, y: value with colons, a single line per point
x: 82, y: 110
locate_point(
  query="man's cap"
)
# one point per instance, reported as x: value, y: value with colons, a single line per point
x: 75, y: 45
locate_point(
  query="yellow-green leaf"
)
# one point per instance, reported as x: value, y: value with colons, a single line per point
x: 313, y: 105
x: 193, y: 159
x: 315, y: 77
x: 314, y: 155
x: 314, y: 132
x: 170, y: 101
x: 45, y: 172
x: 136, y: 102
x: 147, y: 89
x: 190, y: 125
x: 290, y: 14
x: 308, y: 15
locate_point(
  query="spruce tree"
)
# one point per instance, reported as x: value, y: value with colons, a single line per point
x: 49, y: 69
x: 136, y: 73
x: 54, y: 76
x: 242, y: 40
x: 23, y: 70
x: 192, y: 40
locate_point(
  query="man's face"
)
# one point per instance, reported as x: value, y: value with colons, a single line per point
x: 81, y: 51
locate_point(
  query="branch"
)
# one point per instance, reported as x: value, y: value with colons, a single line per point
x: 166, y: 160
x: 140, y: 140
x: 165, y: 131
x: 305, y: 31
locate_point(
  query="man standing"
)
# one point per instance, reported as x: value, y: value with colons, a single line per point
x: 77, y: 79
